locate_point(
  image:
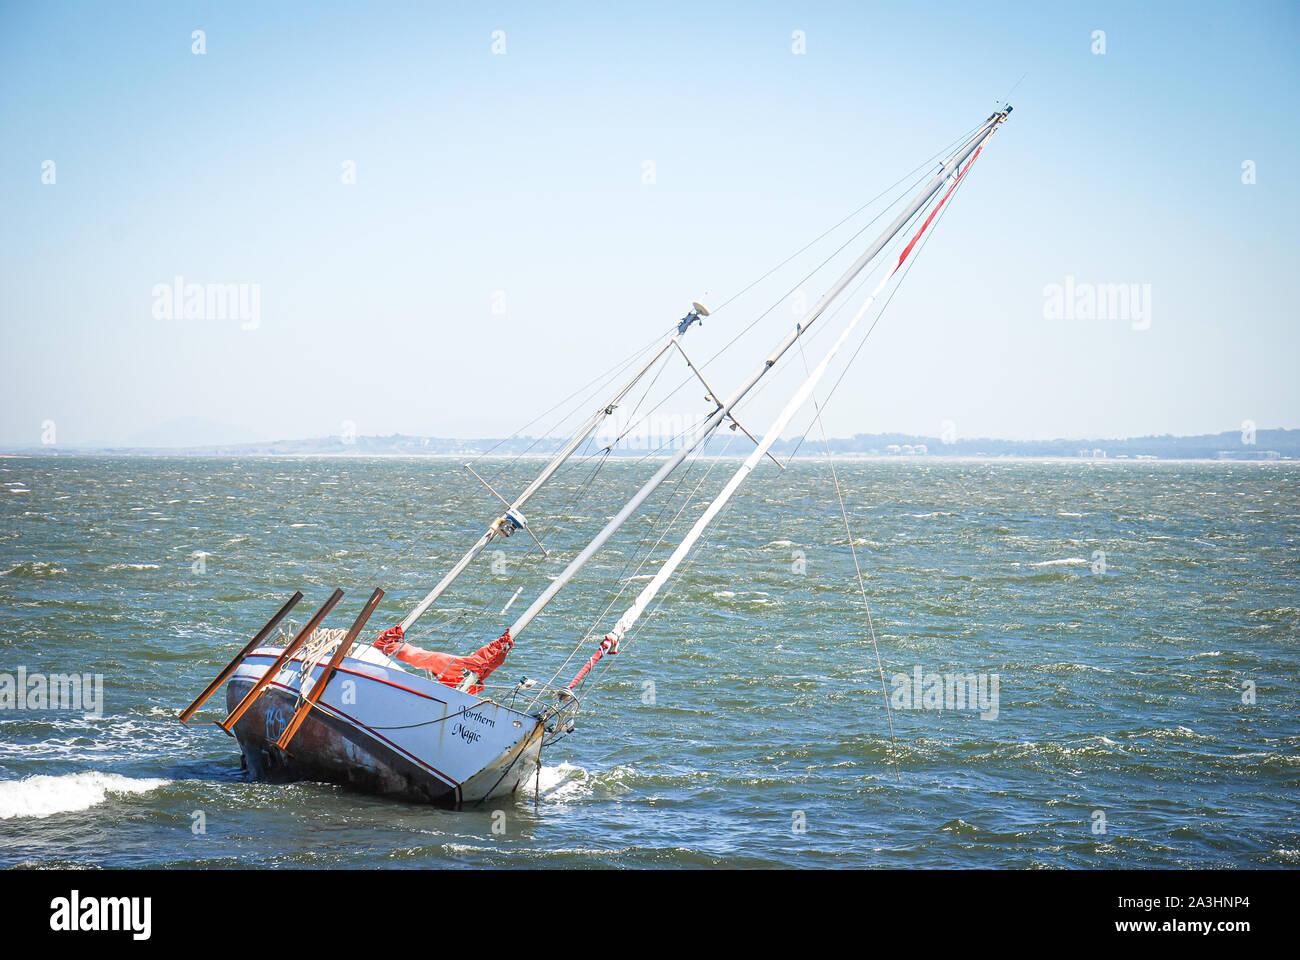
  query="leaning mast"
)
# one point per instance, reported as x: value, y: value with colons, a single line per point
x: 513, y: 520
x: 801, y: 396
x: 950, y: 168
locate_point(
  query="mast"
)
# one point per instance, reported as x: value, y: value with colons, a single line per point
x: 512, y: 519
x: 950, y: 167
x: 652, y: 588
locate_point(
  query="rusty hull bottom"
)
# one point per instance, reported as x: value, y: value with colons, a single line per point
x: 329, y: 750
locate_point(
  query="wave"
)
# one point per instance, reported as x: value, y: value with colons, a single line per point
x: 35, y: 568
x: 568, y: 782
x: 42, y: 796
x: 563, y: 782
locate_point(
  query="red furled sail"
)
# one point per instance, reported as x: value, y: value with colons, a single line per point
x: 447, y: 667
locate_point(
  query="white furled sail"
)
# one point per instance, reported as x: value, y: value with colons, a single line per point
x: 317, y: 703
x: 950, y: 168
x: 611, y: 641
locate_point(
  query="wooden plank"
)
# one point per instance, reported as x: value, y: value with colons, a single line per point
x: 239, y: 657
x: 318, y: 688
x: 284, y: 658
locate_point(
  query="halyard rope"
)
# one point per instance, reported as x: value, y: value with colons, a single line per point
x: 857, y: 568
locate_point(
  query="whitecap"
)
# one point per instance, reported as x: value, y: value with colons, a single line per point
x: 44, y: 796
x: 563, y: 782
x: 35, y: 568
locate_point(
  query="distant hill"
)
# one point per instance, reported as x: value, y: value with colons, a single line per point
x: 191, y: 432
x: 1229, y: 445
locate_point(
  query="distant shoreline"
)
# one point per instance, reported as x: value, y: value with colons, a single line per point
x: 633, y: 459
x: 1230, y: 446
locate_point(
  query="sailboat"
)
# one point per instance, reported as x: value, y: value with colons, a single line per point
x: 316, y: 703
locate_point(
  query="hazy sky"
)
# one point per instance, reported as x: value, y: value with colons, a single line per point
x: 520, y: 176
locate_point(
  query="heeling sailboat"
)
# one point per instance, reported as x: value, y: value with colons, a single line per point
x: 315, y: 704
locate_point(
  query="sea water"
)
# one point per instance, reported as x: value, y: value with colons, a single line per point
x: 1084, y: 664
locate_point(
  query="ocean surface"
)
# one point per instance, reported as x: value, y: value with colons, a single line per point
x: 1139, y: 621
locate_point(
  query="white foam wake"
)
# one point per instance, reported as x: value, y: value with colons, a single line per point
x: 42, y: 796
x: 563, y: 782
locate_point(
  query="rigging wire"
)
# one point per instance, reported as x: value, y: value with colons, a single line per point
x: 924, y: 165
x: 623, y: 366
x: 691, y: 559
x: 583, y: 404
x: 494, y: 601
x: 892, y: 293
x: 857, y: 568
x: 568, y: 510
x: 626, y: 579
x: 890, y: 252
x: 619, y: 367
x: 815, y: 270
x: 645, y: 554
x: 598, y: 381
x: 848, y: 533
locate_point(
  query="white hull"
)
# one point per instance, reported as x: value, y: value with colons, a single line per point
x: 382, y: 729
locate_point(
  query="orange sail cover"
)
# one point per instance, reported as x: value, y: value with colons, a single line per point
x: 447, y: 667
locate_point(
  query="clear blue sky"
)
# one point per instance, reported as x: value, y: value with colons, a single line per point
x: 523, y: 173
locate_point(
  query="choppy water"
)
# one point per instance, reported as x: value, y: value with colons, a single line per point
x: 1120, y: 690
